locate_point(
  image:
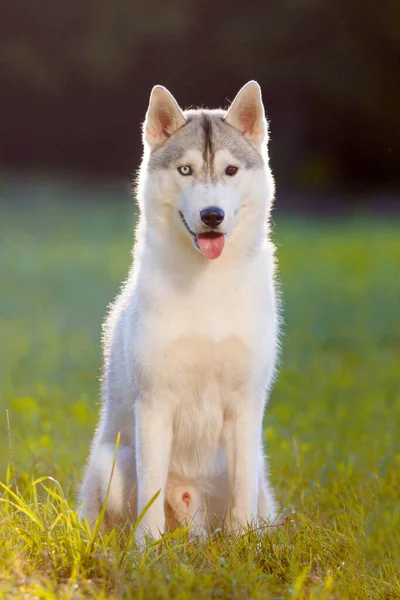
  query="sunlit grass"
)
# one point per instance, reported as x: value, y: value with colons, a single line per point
x: 332, y: 426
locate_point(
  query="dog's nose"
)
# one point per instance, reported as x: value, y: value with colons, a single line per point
x: 212, y: 216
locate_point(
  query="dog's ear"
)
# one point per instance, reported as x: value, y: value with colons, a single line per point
x: 246, y: 114
x: 163, y: 117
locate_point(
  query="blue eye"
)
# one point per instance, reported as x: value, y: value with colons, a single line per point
x: 185, y: 170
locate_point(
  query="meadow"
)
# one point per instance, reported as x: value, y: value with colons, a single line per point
x: 332, y: 426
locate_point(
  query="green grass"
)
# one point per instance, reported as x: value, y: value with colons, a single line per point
x: 332, y: 426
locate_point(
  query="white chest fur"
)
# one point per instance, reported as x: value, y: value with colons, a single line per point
x: 200, y: 351
x: 221, y: 325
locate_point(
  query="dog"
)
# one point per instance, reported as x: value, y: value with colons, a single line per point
x: 191, y: 343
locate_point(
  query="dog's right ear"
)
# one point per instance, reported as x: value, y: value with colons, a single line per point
x: 163, y: 118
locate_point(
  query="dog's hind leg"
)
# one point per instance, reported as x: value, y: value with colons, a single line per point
x: 121, y: 487
x: 267, y: 506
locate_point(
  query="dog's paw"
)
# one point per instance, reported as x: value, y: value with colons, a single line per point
x: 197, y: 534
x: 238, y: 522
x: 145, y: 536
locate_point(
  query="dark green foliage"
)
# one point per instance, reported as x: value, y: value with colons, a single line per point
x: 77, y: 75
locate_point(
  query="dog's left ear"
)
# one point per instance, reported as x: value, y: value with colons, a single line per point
x: 163, y: 117
x: 246, y: 114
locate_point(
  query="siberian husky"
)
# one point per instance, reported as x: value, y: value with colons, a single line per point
x: 190, y: 344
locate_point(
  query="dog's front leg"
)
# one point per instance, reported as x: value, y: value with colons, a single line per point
x: 242, y: 441
x: 153, y: 438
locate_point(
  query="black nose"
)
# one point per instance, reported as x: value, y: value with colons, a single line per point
x: 212, y: 216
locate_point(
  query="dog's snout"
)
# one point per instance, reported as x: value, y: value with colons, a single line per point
x: 212, y: 216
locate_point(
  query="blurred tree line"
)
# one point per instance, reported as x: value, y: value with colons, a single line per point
x: 76, y: 76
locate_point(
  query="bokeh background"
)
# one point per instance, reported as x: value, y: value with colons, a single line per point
x: 76, y: 76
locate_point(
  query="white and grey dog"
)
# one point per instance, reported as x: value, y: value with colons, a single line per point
x: 191, y: 342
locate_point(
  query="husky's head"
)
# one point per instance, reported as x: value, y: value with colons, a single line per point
x: 205, y: 172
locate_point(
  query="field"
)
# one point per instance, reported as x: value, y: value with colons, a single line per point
x: 332, y: 426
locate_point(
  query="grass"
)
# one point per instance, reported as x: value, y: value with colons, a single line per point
x: 332, y: 426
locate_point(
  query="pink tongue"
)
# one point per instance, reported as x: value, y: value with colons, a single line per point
x: 211, y: 246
